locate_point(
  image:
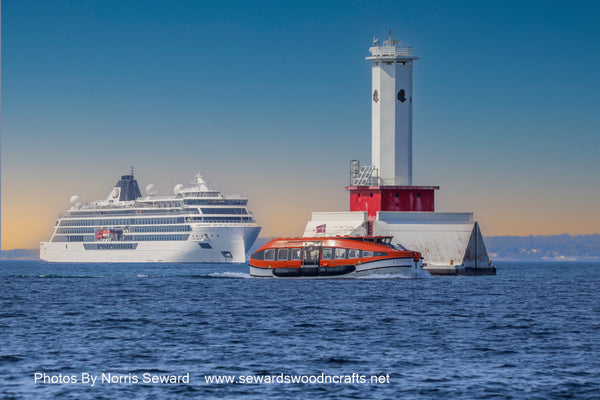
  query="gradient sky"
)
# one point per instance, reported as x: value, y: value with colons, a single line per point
x: 273, y: 99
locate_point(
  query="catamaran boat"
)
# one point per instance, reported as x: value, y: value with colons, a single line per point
x: 338, y: 256
x: 197, y: 224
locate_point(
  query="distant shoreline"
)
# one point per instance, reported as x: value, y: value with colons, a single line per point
x: 500, y: 248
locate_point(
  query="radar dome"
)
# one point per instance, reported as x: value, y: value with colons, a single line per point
x: 75, y: 201
x: 178, y: 188
x: 151, y: 190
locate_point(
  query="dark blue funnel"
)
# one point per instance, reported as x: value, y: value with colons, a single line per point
x: 129, y: 188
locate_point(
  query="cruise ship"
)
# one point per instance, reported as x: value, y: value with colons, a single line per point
x: 196, y: 225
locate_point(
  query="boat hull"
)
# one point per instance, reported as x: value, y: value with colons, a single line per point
x: 227, y: 245
x: 398, y: 267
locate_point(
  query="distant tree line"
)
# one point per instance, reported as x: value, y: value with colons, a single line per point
x: 544, y: 247
x: 20, y: 254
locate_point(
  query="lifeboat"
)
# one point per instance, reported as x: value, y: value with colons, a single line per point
x: 330, y: 257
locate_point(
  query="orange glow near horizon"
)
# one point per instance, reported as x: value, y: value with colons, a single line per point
x: 26, y: 221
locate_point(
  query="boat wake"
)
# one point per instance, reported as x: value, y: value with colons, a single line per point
x: 420, y: 274
x: 230, y: 274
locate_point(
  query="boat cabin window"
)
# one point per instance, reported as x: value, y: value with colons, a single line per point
x: 270, y: 254
x: 259, y: 255
x: 367, y: 254
x: 340, y: 253
x: 295, y: 254
x: 283, y: 254
x: 311, y: 255
x: 327, y: 253
x: 353, y: 253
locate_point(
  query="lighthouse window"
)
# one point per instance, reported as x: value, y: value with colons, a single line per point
x: 371, y: 194
x: 270, y: 254
x: 397, y: 195
x: 418, y: 194
x: 283, y: 254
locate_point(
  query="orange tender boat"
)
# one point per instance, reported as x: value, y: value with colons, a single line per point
x: 337, y: 256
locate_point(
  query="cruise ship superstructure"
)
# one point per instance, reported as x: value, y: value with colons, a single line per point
x: 196, y: 225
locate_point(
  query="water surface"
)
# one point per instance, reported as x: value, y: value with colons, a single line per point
x: 529, y: 332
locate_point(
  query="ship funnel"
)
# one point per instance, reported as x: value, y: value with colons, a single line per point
x: 126, y: 189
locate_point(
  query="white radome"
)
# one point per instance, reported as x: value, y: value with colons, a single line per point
x: 151, y: 190
x: 75, y: 201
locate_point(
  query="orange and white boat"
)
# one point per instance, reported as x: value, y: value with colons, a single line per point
x: 337, y: 256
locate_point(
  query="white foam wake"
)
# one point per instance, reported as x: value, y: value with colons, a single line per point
x: 419, y: 274
x: 230, y: 274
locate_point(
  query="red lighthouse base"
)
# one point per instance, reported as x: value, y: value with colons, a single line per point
x: 391, y: 198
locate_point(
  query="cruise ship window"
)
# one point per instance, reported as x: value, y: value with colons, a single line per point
x: 340, y: 253
x: 295, y: 254
x: 270, y: 254
x: 283, y: 254
x: 327, y: 253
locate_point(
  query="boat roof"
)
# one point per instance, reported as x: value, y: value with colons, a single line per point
x: 373, y: 239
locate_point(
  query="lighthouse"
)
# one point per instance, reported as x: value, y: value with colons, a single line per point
x: 386, y: 184
x: 383, y: 199
x: 392, y: 102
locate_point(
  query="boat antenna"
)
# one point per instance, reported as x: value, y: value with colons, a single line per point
x: 132, y: 170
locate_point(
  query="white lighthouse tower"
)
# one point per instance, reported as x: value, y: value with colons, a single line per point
x: 392, y: 72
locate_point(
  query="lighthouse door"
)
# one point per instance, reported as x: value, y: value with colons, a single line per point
x: 310, y: 253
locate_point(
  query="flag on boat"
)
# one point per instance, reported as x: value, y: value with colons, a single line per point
x: 321, y: 228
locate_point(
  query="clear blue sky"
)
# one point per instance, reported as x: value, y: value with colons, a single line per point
x: 273, y: 99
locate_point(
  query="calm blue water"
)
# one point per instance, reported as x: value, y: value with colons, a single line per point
x: 531, y: 332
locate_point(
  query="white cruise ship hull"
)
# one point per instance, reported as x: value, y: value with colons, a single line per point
x: 227, y: 244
